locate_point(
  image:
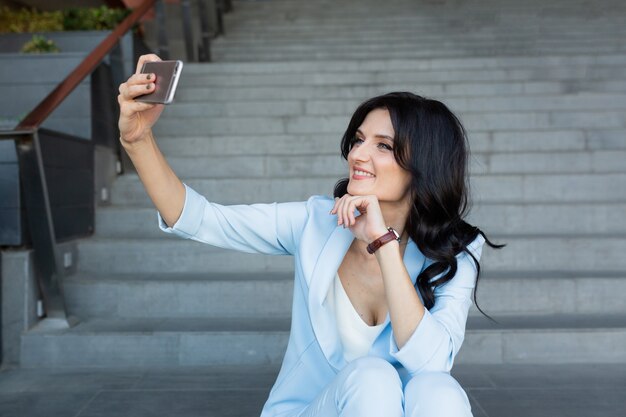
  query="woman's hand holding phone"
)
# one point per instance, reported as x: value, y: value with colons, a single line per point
x: 137, y: 118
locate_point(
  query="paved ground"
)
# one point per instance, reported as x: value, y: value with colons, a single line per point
x: 495, y: 391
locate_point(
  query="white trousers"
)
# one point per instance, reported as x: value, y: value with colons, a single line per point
x: 371, y: 387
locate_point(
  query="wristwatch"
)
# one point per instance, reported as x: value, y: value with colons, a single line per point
x: 386, y: 238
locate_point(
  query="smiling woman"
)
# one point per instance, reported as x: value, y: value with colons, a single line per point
x: 430, y: 147
x: 373, y: 166
x: 374, y: 329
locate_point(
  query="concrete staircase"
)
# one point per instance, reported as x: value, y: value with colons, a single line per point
x: 542, y: 92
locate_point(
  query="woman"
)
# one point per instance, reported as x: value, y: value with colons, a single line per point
x: 383, y: 273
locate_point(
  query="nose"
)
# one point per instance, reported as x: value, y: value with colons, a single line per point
x: 360, y: 152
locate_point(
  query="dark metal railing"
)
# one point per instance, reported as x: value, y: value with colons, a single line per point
x: 32, y: 175
x: 207, y: 29
x: 27, y: 136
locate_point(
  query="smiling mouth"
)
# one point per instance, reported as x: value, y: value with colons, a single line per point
x: 363, y: 174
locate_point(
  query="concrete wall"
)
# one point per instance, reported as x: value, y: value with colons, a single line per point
x: 19, y: 301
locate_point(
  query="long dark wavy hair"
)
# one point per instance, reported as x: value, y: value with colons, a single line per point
x: 431, y: 143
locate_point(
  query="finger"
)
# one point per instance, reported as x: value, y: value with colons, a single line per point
x: 332, y: 210
x: 355, y: 206
x: 146, y: 58
x: 129, y: 92
x: 351, y: 216
x: 339, y: 210
x: 345, y: 212
x: 131, y: 107
x: 142, y: 78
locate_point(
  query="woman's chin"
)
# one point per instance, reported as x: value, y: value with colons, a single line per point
x: 352, y: 190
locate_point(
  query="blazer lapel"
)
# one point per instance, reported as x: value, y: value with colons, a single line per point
x: 322, y: 319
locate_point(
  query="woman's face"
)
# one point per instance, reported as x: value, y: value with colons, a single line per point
x: 373, y: 167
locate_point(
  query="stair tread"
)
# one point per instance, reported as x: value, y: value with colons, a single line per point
x: 561, y: 322
x: 155, y: 239
x: 174, y: 278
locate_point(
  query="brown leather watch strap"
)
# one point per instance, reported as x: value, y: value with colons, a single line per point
x: 386, y: 238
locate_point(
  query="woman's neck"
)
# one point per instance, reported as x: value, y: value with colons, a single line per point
x: 396, y: 216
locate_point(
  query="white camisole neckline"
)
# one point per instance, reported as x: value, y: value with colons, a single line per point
x: 356, y: 336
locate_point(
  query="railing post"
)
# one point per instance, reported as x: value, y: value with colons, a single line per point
x: 164, y: 50
x: 219, y: 7
x: 40, y: 223
x: 228, y: 6
x: 204, y: 54
x: 187, y: 29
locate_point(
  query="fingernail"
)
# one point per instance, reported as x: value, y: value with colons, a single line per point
x: 149, y: 76
x: 149, y: 86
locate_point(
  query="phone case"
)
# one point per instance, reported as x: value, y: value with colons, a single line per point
x: 167, y: 74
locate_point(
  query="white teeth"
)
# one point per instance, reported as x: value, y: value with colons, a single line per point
x: 363, y: 173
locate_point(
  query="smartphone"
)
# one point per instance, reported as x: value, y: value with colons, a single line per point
x: 167, y: 74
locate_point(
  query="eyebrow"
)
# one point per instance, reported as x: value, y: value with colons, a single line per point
x: 377, y: 135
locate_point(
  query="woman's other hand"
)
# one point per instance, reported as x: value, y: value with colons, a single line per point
x: 369, y: 225
x: 137, y: 118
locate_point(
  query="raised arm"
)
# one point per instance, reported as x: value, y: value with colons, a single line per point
x: 164, y: 188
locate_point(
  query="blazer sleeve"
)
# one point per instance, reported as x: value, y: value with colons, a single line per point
x: 273, y: 229
x: 439, y: 336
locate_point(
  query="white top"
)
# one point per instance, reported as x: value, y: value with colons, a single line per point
x: 356, y: 336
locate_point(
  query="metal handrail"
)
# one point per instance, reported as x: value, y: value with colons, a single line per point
x: 38, y: 115
x: 28, y: 147
x: 32, y: 175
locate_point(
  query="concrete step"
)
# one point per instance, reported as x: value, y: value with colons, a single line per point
x: 460, y: 105
x: 289, y: 166
x: 510, y: 142
x: 357, y: 76
x: 287, y: 35
x: 500, y: 219
x: 556, y: 254
x: 418, y: 43
x: 537, y: 253
x: 145, y: 343
x: 511, y: 62
x: 176, y: 295
x: 141, y: 343
x: 126, y: 256
x: 576, y: 390
x: 254, y: 55
x: 263, y: 295
x: 443, y: 26
x: 369, y: 14
x: 531, y: 120
x: 525, y: 189
x: 442, y: 91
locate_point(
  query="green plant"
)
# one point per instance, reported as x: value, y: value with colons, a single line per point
x: 95, y: 18
x: 77, y: 18
x: 40, y: 44
x: 29, y: 20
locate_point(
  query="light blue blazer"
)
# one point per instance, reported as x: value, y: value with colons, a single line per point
x: 314, y: 353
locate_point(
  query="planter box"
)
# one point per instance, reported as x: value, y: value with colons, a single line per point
x: 28, y: 78
x: 25, y: 79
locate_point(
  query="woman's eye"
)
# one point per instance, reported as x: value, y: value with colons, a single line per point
x: 385, y: 146
x: 356, y: 141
